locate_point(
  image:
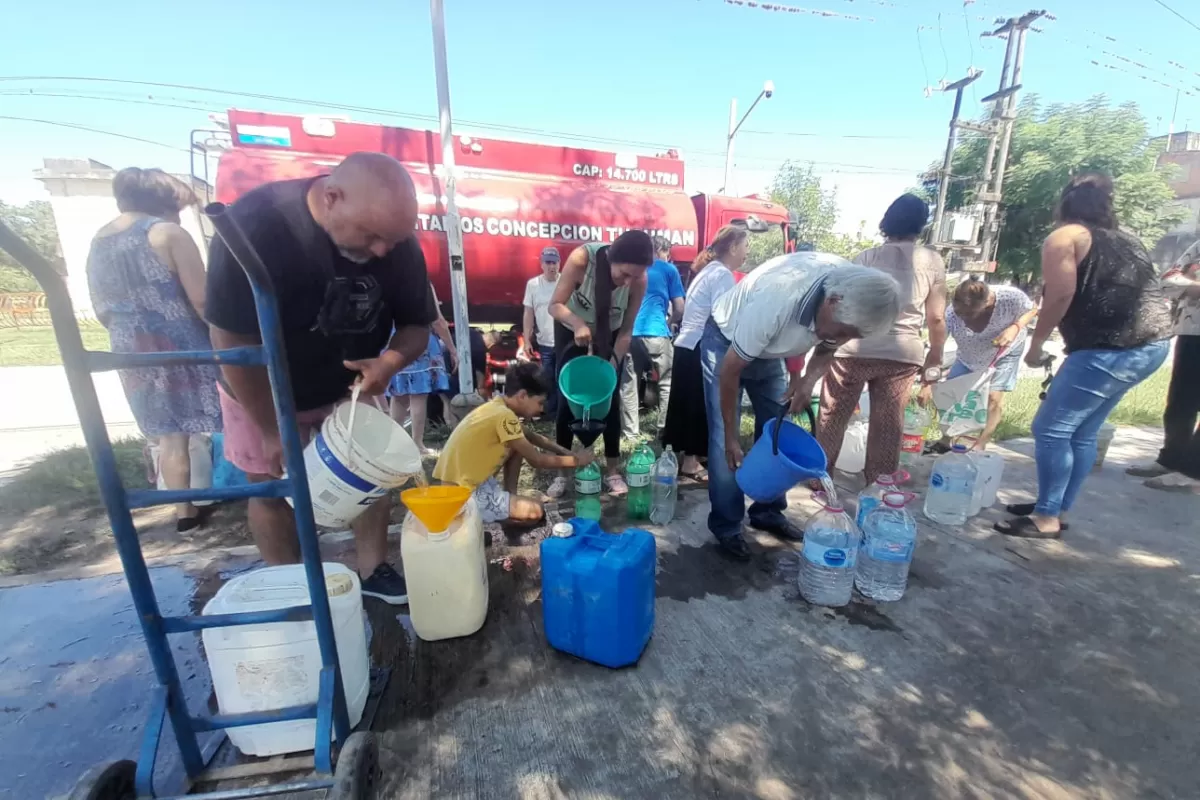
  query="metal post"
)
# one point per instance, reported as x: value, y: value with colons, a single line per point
x: 458, y: 275
x: 729, y: 145
x: 951, y: 141
x: 1010, y: 109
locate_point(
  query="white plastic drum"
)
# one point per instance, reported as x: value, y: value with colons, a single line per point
x: 265, y: 667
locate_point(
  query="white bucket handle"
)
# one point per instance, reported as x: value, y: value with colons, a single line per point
x: 350, y: 432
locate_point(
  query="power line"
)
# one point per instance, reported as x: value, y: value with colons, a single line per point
x: 1176, y: 13
x: 148, y: 102
x: 942, y: 43
x: 59, y: 124
x: 340, y: 107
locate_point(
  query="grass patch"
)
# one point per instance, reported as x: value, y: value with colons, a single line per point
x: 37, y: 347
x: 1143, y: 405
x: 65, y: 479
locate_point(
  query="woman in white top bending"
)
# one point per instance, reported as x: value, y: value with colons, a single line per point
x: 686, y: 429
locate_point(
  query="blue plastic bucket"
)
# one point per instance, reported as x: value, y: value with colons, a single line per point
x: 777, y: 462
x: 587, y: 384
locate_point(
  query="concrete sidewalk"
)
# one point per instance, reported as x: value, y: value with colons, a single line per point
x: 1011, y: 669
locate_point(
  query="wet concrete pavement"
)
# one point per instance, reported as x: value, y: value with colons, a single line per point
x: 1011, y: 669
x: 75, y: 679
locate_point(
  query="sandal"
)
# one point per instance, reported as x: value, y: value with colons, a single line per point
x: 1025, y: 509
x: 616, y: 485
x: 1025, y: 528
x: 699, y: 476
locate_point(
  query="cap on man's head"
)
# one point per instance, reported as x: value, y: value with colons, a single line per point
x: 550, y: 255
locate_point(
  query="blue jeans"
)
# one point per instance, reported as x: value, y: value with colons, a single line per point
x: 765, y: 381
x: 547, y: 356
x: 1086, y: 388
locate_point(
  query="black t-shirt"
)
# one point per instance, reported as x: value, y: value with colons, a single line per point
x: 331, y: 308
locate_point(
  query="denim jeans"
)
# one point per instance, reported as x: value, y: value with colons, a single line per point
x: 1086, y: 388
x: 547, y: 356
x: 765, y: 381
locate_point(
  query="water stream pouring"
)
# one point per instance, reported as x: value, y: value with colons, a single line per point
x: 783, y: 456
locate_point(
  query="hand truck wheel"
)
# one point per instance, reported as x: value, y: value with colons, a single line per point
x: 356, y: 775
x: 113, y: 780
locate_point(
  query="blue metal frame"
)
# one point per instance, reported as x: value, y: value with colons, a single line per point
x: 168, y: 700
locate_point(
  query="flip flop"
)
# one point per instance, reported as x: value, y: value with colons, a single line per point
x: 1024, y: 528
x: 1025, y: 509
x: 699, y: 476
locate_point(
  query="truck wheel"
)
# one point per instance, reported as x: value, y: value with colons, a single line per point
x: 110, y: 781
x: 356, y: 775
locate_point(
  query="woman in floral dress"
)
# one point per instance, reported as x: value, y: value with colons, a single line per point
x: 146, y: 281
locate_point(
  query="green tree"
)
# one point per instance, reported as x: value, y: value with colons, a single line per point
x: 33, y: 222
x: 1049, y: 145
x: 815, y: 208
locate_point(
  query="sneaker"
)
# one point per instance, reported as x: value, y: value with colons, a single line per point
x: 387, y: 585
x: 557, y: 488
x: 734, y: 547
x: 783, y: 529
x: 1151, y: 470
x: 1174, y: 482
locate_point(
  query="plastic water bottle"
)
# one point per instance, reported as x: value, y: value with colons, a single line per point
x: 666, y: 488
x: 889, y: 538
x: 872, y: 496
x: 637, y: 475
x: 831, y: 543
x: 951, y: 486
x: 912, y: 440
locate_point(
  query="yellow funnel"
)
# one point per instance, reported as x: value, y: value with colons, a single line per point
x: 435, y: 506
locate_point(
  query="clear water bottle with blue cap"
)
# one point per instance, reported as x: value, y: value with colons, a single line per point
x: 831, y: 542
x: 951, y: 485
x: 889, y: 539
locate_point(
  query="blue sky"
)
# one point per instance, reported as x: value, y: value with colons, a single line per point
x: 654, y: 71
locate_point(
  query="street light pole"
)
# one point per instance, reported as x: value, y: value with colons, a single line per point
x: 734, y: 124
x: 458, y: 275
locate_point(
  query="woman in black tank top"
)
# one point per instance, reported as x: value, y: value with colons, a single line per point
x: 1103, y: 295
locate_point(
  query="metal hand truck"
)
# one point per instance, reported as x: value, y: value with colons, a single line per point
x: 357, y: 754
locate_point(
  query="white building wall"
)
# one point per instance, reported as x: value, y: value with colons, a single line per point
x: 83, y: 205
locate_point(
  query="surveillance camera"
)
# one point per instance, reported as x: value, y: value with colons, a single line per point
x: 769, y: 88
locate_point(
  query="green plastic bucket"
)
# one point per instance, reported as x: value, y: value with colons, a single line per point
x: 588, y: 383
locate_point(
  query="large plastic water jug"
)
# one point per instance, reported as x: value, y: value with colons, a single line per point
x: 991, y: 472
x: 598, y: 593
x: 951, y: 486
x: 852, y: 458
x: 827, y: 559
x: 872, y: 496
x: 446, y: 569
x: 265, y: 667
x: 889, y: 539
x: 347, y: 473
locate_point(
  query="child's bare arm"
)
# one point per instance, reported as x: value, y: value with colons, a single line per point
x: 539, y: 460
x: 542, y: 443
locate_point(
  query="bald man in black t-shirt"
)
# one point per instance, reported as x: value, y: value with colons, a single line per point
x: 342, y: 253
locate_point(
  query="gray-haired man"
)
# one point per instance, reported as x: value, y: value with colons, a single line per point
x: 784, y: 308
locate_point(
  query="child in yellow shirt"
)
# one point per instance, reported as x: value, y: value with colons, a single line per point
x: 492, y: 437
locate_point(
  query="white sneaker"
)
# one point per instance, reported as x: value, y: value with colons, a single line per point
x: 557, y: 487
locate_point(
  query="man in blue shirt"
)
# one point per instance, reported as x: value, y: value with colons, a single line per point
x: 661, y: 307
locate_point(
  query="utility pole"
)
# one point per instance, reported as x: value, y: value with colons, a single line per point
x: 734, y: 124
x: 1003, y: 115
x: 951, y: 142
x: 458, y: 275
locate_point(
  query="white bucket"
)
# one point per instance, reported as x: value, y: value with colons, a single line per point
x: 1104, y: 438
x: 346, y: 476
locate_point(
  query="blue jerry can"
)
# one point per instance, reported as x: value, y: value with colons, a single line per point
x: 598, y: 593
